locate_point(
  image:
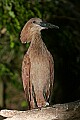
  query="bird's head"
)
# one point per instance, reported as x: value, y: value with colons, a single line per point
x: 34, y: 25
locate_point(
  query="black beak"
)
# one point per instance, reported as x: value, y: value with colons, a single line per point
x: 48, y: 25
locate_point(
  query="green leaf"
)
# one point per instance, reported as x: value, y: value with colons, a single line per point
x: 12, y: 44
x: 11, y: 13
x: 24, y: 104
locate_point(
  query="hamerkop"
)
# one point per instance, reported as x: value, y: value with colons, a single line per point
x: 37, y: 65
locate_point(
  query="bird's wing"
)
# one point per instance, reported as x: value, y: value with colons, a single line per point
x: 47, y: 92
x: 51, y: 64
x: 26, y: 74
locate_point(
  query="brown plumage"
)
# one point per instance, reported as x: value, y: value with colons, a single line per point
x: 37, y: 65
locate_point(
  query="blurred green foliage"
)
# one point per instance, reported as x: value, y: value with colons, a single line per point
x: 64, y: 44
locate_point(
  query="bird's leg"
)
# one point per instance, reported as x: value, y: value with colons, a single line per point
x: 31, y: 98
x: 40, y: 100
x: 32, y: 105
x: 37, y: 99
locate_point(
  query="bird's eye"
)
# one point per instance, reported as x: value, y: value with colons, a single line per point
x: 34, y: 21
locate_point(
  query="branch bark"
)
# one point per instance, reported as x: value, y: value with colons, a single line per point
x: 67, y: 111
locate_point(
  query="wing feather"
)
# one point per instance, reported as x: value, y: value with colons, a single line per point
x: 47, y: 91
x: 26, y: 74
x: 51, y: 66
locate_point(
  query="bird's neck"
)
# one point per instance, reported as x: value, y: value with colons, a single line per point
x: 37, y: 45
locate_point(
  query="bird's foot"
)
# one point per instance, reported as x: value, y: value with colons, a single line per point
x: 47, y: 104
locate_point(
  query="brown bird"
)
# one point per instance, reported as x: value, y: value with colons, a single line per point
x: 37, y: 65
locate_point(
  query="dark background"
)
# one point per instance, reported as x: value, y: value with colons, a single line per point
x: 64, y: 44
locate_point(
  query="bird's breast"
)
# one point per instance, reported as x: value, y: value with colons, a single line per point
x: 40, y: 71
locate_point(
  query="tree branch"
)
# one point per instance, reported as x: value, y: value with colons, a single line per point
x: 68, y: 111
